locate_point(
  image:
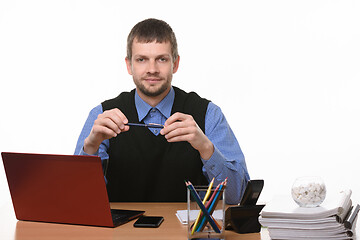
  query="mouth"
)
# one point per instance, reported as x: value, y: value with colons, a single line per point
x: 152, y: 80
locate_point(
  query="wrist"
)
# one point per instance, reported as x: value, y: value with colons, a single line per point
x: 207, y: 150
x: 90, y: 147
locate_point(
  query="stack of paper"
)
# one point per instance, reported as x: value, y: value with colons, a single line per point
x: 335, y: 218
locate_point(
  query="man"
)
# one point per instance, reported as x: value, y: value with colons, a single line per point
x: 195, y: 144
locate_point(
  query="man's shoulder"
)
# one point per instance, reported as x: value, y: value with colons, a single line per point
x: 191, y: 103
x: 122, y: 98
x: 189, y: 96
x: 193, y: 99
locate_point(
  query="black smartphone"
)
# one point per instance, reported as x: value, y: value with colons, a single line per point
x: 149, y: 221
x: 252, y: 192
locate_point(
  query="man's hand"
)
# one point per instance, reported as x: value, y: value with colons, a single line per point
x: 107, y: 125
x: 182, y: 127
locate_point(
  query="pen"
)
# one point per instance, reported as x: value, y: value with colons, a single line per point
x: 152, y: 125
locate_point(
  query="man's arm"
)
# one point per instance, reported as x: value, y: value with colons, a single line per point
x: 85, y: 132
x: 107, y: 125
x: 182, y: 127
x: 223, y: 158
x: 228, y: 159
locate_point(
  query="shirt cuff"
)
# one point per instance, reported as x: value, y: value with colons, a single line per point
x: 82, y: 152
x: 215, y: 164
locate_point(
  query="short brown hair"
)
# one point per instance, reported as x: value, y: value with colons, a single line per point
x: 150, y: 30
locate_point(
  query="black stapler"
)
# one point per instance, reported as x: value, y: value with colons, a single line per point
x: 244, y: 217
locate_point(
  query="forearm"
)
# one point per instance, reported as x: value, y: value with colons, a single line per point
x: 90, y: 148
x: 219, y: 167
x: 101, y: 150
x: 206, y: 150
x: 227, y: 160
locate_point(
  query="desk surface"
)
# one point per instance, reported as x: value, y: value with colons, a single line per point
x: 171, y: 228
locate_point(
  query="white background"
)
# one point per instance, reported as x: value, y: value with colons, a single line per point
x: 285, y: 73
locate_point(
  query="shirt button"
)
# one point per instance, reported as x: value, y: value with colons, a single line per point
x: 155, y: 131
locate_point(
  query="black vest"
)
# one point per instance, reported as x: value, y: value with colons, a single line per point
x: 146, y: 168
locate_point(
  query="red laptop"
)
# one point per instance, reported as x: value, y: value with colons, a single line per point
x: 61, y: 189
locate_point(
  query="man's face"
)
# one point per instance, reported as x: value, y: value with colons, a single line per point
x: 152, y: 67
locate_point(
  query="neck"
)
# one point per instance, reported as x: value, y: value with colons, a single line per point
x: 153, y: 100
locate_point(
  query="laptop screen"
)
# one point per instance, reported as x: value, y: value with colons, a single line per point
x: 58, y: 188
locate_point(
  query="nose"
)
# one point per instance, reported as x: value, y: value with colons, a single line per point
x: 152, y: 67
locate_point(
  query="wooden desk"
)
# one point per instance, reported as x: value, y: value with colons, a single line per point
x: 170, y: 229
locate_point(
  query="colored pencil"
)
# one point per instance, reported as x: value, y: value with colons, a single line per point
x: 212, y: 205
x: 208, y: 192
x: 208, y: 204
x: 202, y: 207
x: 151, y: 125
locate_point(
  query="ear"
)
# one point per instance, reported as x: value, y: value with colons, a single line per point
x: 176, y: 64
x: 128, y: 65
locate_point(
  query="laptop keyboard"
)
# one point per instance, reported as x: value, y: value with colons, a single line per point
x: 117, y: 215
x: 120, y: 216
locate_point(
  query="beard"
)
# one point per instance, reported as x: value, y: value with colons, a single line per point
x: 153, y: 91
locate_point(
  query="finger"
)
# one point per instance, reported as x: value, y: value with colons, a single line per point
x: 173, y: 126
x: 176, y: 117
x: 181, y: 138
x: 117, y: 117
x: 177, y: 120
x: 121, y: 115
x: 182, y: 131
x: 103, y: 132
x: 170, y: 133
x: 107, y: 123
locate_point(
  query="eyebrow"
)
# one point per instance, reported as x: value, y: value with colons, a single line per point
x: 158, y: 56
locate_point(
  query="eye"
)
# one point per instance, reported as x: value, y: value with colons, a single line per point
x: 140, y: 59
x: 163, y: 59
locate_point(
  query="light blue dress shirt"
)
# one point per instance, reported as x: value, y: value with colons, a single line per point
x: 226, y: 161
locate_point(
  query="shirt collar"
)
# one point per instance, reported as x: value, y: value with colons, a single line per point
x: 164, y: 106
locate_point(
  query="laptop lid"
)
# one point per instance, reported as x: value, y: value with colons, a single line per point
x: 60, y: 189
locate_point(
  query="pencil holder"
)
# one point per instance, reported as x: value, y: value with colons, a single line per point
x: 209, y: 224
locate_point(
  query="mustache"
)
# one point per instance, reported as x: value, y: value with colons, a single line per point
x: 153, y: 75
